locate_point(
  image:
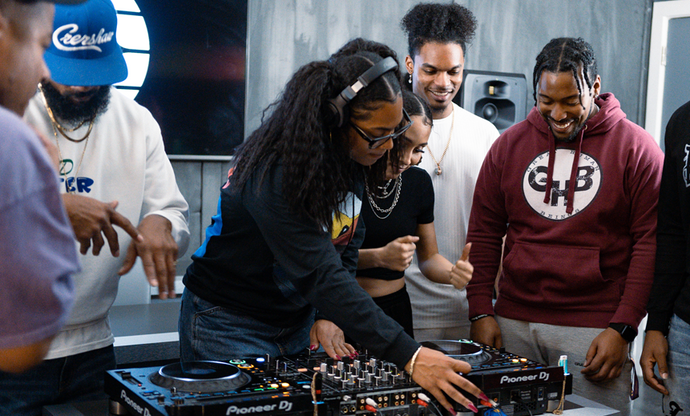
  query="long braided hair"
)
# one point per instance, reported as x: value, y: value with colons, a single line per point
x: 318, y: 172
x: 573, y: 55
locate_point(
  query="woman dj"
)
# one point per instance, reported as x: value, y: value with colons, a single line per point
x: 285, y: 239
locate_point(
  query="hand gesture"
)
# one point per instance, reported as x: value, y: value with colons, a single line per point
x: 158, y: 253
x: 331, y: 338
x: 461, y: 273
x: 438, y: 374
x: 92, y: 220
x: 397, y: 255
x: 654, y: 353
x: 606, y: 356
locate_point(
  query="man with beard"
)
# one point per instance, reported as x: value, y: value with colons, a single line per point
x: 111, y: 156
x: 438, y: 35
x: 37, y: 257
x: 574, y: 189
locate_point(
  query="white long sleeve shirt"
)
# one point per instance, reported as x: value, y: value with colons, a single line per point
x: 124, y: 161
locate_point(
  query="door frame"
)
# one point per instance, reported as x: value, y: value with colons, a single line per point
x: 663, y: 12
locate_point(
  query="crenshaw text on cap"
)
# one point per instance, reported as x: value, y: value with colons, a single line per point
x: 84, y: 49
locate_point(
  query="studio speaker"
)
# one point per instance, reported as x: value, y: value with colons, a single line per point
x: 498, y: 97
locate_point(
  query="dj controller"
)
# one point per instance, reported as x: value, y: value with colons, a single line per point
x: 315, y: 384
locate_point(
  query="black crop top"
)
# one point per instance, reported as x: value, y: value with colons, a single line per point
x: 415, y: 206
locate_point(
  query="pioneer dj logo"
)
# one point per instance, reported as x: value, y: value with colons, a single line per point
x: 134, y: 405
x: 587, y: 184
x: 543, y: 376
x: 283, y: 406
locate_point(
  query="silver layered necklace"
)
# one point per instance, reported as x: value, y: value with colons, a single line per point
x: 383, y: 213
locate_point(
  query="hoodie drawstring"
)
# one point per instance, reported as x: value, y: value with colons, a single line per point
x: 549, y: 170
x: 573, y: 171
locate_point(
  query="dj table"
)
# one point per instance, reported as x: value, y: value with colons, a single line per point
x: 312, y: 384
x: 574, y: 406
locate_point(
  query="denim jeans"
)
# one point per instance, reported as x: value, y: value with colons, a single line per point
x: 62, y: 380
x: 210, y: 332
x: 678, y: 383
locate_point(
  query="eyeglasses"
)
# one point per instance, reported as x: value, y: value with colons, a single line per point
x: 375, y: 142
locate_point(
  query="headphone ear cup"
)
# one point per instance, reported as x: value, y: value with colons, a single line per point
x: 337, y: 107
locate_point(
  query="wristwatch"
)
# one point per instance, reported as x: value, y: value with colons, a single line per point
x: 628, y: 332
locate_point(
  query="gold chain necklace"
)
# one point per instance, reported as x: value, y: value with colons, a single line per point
x: 438, y: 169
x: 56, y: 127
x: 63, y: 130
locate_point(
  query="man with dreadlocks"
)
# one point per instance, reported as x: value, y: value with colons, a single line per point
x: 574, y: 189
x: 438, y: 35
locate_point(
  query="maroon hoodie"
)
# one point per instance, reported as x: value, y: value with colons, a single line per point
x: 580, y: 238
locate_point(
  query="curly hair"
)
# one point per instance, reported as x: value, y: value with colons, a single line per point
x: 566, y: 55
x: 442, y: 23
x: 318, y: 171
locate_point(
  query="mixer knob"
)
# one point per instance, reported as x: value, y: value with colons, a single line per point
x: 354, y: 372
x: 356, y: 364
x: 323, y: 367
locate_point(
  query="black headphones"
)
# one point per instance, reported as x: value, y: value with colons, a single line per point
x: 337, y: 107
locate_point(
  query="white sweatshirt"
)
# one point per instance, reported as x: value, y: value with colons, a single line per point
x: 124, y: 161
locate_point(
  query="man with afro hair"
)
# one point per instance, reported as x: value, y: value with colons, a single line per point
x: 438, y: 37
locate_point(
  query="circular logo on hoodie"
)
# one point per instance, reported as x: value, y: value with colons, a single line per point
x: 586, y: 184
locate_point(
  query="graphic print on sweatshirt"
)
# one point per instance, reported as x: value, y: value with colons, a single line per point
x: 587, y: 184
x: 345, y: 221
x: 80, y: 184
x: 685, y: 166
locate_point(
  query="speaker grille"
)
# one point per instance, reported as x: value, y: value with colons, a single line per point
x: 500, y: 98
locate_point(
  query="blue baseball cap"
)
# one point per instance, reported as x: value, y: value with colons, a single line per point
x: 84, y: 50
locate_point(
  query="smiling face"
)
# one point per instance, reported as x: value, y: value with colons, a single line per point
x: 437, y: 75
x: 375, y: 123
x: 25, y: 34
x: 413, y: 143
x: 561, y: 104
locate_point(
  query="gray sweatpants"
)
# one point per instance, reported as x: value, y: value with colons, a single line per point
x: 546, y: 343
